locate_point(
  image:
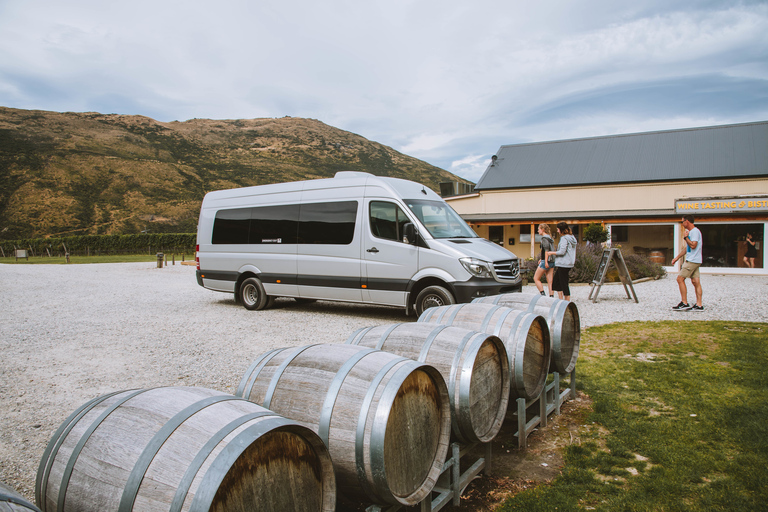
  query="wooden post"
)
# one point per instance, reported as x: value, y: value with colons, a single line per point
x: 533, y: 242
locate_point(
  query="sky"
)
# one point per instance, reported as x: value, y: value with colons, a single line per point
x: 447, y: 82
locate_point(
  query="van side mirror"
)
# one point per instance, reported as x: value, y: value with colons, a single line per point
x: 409, y: 233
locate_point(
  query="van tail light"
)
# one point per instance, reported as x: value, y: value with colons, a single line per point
x: 197, y: 256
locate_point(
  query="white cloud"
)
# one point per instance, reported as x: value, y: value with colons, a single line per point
x: 443, y: 81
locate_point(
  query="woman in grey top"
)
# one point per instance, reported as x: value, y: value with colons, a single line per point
x: 546, y: 264
x: 565, y: 257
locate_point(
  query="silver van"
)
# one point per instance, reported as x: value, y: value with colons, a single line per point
x: 355, y: 237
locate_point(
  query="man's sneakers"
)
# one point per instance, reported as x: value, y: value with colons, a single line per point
x: 698, y: 309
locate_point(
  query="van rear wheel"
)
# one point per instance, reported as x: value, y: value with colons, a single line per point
x: 252, y: 294
x: 432, y: 296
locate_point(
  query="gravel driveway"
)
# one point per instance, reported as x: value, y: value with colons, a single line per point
x: 71, y: 333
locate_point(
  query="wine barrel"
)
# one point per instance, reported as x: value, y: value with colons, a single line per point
x: 12, y: 501
x: 181, y: 448
x: 562, y: 317
x: 473, y: 364
x: 657, y: 257
x: 385, y: 419
x: 525, y: 336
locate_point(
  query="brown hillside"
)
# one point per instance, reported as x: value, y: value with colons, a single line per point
x: 91, y: 173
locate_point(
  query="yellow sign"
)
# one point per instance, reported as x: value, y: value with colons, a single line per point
x: 704, y: 205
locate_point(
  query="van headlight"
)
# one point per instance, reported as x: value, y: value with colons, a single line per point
x: 476, y: 267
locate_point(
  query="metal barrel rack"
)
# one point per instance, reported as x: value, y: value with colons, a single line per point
x: 452, y: 481
x: 549, y: 401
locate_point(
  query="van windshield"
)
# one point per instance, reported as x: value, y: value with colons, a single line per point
x: 441, y: 220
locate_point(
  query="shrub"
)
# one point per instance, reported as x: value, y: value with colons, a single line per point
x: 588, y: 258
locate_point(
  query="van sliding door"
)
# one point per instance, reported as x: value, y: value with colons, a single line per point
x: 329, y: 250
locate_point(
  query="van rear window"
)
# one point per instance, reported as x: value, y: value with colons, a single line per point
x: 313, y: 223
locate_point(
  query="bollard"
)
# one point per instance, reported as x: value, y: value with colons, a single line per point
x: 159, y: 260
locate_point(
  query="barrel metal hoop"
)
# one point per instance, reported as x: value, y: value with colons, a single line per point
x: 189, y: 475
x: 502, y: 319
x: 41, y: 482
x: 324, y: 424
x: 553, y: 325
x: 386, y: 334
x: 532, y: 304
x: 426, y: 314
x: 428, y: 342
x: 362, y: 420
x: 488, y: 317
x: 279, y: 373
x: 131, y: 489
x: 79, y: 447
x: 218, y: 469
x: 454, y: 374
x: 454, y: 311
x: 379, y: 427
x: 357, y: 336
x: 252, y: 372
x: 16, y: 500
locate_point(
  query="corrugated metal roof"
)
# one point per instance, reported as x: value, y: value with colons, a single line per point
x: 715, y: 152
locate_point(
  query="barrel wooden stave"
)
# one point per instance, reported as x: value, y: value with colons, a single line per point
x: 109, y: 442
x: 525, y: 336
x: 385, y: 418
x: 473, y: 364
x: 562, y: 317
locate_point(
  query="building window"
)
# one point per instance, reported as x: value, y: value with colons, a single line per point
x: 496, y: 234
x: 619, y: 234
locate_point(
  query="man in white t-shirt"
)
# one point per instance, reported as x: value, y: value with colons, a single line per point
x: 690, y: 267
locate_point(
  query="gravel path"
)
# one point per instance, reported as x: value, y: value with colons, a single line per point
x: 71, y: 333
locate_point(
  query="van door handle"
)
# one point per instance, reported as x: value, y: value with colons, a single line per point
x: 372, y: 249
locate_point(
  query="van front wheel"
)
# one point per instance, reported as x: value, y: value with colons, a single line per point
x: 432, y: 296
x: 252, y: 294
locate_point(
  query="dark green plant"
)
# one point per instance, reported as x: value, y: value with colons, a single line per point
x: 595, y: 233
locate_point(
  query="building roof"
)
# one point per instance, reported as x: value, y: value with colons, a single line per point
x: 715, y: 152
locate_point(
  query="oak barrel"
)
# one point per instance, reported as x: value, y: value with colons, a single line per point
x: 562, y: 317
x: 658, y: 257
x: 12, y: 501
x: 473, y: 364
x: 182, y: 448
x: 386, y: 419
x: 525, y: 336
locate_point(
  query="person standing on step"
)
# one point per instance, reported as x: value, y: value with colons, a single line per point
x: 546, y: 264
x: 690, y: 267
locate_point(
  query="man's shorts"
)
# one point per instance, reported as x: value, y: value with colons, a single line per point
x: 690, y: 269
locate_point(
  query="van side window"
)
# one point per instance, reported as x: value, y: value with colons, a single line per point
x: 387, y: 220
x: 328, y: 223
x: 313, y: 223
x: 231, y: 226
x: 262, y: 225
x: 274, y: 224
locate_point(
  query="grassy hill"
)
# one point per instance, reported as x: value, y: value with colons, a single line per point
x: 91, y: 173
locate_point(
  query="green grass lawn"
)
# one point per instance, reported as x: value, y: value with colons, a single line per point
x: 682, y: 416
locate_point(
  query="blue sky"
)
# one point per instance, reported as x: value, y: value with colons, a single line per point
x: 444, y: 81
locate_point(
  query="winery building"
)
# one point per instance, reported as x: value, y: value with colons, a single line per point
x: 637, y: 185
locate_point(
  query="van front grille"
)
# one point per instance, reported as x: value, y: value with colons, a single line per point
x: 507, y: 270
